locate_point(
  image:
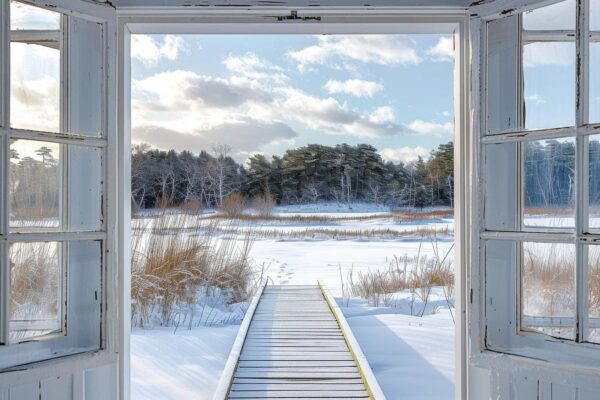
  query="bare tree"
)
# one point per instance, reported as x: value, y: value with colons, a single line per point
x: 220, y: 170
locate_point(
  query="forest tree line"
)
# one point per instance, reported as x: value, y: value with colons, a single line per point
x: 308, y: 174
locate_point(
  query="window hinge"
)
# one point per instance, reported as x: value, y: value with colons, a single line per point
x: 295, y: 17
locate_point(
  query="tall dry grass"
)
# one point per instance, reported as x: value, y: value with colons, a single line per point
x: 341, y: 234
x: 418, y: 274
x: 173, y: 267
x: 263, y: 204
x: 234, y: 204
x: 548, y: 279
x: 594, y: 281
x: 35, y: 287
x: 192, y: 206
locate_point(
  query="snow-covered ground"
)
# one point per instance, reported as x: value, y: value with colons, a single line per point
x: 412, y: 357
x: 407, y: 352
x: 185, y: 365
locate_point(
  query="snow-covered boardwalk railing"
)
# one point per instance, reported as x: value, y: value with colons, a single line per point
x: 296, y: 344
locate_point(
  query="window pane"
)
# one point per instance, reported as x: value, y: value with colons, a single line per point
x: 34, y: 87
x: 550, y: 183
x: 595, y: 15
x: 548, y: 289
x: 35, y: 182
x: 558, y: 16
x: 594, y: 179
x: 24, y: 16
x: 35, y: 290
x: 594, y: 83
x: 549, y: 93
x: 85, y: 183
x: 593, y: 332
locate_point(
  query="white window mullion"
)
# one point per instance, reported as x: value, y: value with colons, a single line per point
x: 582, y: 168
x: 4, y: 160
x: 583, y: 63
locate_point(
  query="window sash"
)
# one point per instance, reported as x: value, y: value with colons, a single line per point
x: 51, y: 345
x: 581, y: 235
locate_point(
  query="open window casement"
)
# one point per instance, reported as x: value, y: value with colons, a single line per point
x: 57, y: 248
x: 535, y: 320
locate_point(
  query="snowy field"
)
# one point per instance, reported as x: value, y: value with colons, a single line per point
x: 406, y: 352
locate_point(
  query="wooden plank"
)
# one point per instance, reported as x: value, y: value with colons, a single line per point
x: 297, y: 386
x: 314, y: 358
x: 344, y: 381
x: 263, y: 348
x: 293, y: 370
x: 296, y: 363
x: 291, y: 353
x: 302, y: 344
x: 296, y: 375
x: 333, y: 394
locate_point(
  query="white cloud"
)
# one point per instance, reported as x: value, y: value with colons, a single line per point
x: 354, y: 87
x: 150, y: 50
x: 35, y: 103
x: 404, y: 154
x: 35, y: 89
x: 332, y: 117
x: 243, y: 136
x: 446, y: 113
x: 252, y: 67
x: 23, y: 16
x: 378, y: 49
x: 549, y: 54
x: 535, y: 98
x: 443, y: 50
x: 187, y: 91
x: 420, y: 127
x: 383, y: 115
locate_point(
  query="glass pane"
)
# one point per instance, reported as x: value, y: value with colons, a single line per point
x: 34, y: 87
x: 594, y: 179
x: 85, y: 292
x: 24, y: 16
x: 558, y: 16
x: 550, y: 183
x: 35, y: 182
x: 595, y: 15
x: 548, y: 301
x: 85, y: 188
x: 35, y: 290
x: 593, y: 332
x: 86, y: 61
x: 594, y: 83
x: 549, y: 93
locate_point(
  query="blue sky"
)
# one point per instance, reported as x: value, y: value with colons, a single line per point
x: 268, y: 93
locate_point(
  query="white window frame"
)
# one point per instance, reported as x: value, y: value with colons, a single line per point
x: 45, y: 348
x: 548, y: 355
x: 335, y: 20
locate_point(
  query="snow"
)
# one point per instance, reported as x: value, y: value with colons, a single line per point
x: 186, y: 365
x: 300, y: 262
x: 407, y: 353
x: 412, y: 357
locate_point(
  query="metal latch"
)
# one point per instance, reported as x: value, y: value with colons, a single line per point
x: 295, y: 17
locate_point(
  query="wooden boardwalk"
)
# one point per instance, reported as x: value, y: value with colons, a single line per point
x: 294, y: 348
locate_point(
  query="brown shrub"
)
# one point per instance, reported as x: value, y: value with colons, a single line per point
x: 163, y: 202
x: 193, y: 206
x: 234, y: 204
x: 263, y: 204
